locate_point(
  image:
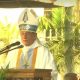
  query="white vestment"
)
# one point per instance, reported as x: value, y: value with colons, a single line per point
x: 44, y: 59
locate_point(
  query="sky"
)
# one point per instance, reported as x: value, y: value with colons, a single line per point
x: 11, y: 15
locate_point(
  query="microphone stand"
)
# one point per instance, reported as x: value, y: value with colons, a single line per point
x: 7, y: 50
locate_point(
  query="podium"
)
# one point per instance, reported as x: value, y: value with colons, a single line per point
x: 28, y: 74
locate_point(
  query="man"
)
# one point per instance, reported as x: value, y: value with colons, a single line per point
x: 33, y: 55
x: 71, y: 76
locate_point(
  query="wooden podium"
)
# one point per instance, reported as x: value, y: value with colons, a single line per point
x: 28, y: 74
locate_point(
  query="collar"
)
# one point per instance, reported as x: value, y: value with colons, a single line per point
x: 34, y: 45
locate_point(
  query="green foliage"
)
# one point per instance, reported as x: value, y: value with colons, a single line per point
x: 56, y: 45
x: 3, y: 72
x: 66, y: 46
x: 68, y: 39
x: 44, y: 24
x: 57, y: 17
x: 57, y: 49
x: 8, y: 32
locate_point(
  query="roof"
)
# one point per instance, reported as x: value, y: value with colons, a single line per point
x: 26, y: 3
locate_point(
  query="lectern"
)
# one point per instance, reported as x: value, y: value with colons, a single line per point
x: 28, y: 74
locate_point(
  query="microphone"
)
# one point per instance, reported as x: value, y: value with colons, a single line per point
x: 13, y: 44
x: 10, y: 45
x: 20, y: 46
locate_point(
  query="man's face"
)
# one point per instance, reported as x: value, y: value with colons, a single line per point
x: 27, y: 37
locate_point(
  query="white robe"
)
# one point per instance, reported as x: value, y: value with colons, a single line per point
x: 44, y: 59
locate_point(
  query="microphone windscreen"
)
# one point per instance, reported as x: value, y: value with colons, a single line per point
x: 14, y: 44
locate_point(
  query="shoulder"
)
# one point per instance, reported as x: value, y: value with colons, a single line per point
x: 43, y: 49
x: 41, y: 46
